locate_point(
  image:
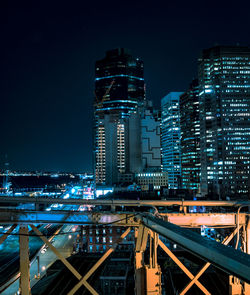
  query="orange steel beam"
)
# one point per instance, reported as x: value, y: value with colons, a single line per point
x: 98, y: 263
x: 247, y: 230
x: 64, y: 261
x: 147, y: 277
x: 5, y: 235
x: 182, y: 266
x: 228, y: 259
x: 226, y: 241
x: 141, y: 234
x: 208, y: 219
x: 142, y: 237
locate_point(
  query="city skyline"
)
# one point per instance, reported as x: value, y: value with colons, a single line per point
x: 47, y: 73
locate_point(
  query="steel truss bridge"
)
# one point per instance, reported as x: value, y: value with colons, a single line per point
x: 149, y: 228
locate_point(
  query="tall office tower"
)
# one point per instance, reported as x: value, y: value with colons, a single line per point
x: 224, y: 78
x: 150, y: 138
x: 119, y: 89
x: 170, y: 138
x: 190, y: 138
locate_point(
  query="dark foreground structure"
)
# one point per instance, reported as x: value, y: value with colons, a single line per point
x: 152, y: 231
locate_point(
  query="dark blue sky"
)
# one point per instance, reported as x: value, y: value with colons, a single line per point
x: 47, y: 55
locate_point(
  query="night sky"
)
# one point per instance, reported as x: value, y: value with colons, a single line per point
x: 47, y: 56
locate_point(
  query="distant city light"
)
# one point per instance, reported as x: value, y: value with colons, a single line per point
x: 100, y: 192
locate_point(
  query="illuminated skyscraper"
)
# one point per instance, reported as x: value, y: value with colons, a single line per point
x: 190, y: 138
x: 170, y: 138
x: 119, y: 89
x: 224, y: 79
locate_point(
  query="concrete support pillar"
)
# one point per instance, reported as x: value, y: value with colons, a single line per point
x: 24, y: 260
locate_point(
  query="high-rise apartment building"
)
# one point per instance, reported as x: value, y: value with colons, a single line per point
x: 119, y: 89
x: 190, y: 138
x: 170, y: 138
x: 224, y: 79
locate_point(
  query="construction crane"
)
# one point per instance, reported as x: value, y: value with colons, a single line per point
x: 105, y: 97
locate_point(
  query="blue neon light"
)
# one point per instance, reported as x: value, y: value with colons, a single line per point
x: 121, y: 75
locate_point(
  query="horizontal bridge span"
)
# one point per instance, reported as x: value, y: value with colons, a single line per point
x: 208, y: 219
x: 66, y: 217
x: 226, y: 258
x: 97, y: 202
x: 122, y: 218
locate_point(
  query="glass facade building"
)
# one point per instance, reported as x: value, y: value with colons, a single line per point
x: 224, y: 94
x: 119, y: 91
x: 170, y: 138
x: 190, y: 138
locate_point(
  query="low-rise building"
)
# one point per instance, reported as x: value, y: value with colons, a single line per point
x: 152, y: 181
x: 101, y: 237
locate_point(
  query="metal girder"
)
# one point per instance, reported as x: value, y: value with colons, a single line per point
x: 117, y: 218
x: 226, y: 258
x: 24, y: 260
x: 5, y: 235
x: 208, y: 219
x: 153, y: 244
x: 17, y: 275
x: 248, y: 236
x: 147, y: 277
x: 142, y: 237
x: 247, y: 286
x: 206, y: 266
x: 64, y: 261
x: 42, y: 200
x: 98, y: 263
x: 67, y: 217
x: 141, y: 234
x: 182, y: 266
x: 194, y: 279
x: 153, y: 270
